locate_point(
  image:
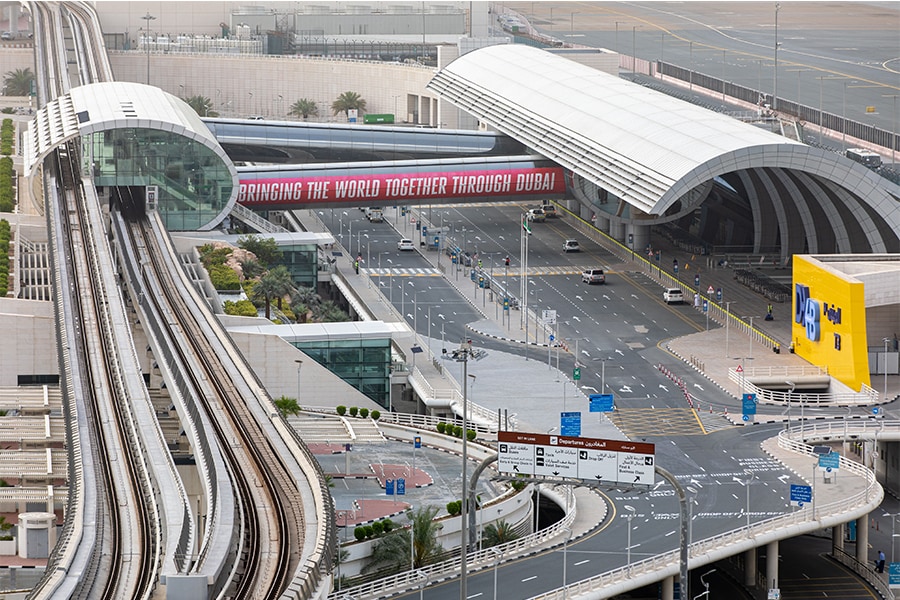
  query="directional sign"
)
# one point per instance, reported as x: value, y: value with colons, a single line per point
x: 893, y: 573
x: 748, y: 404
x: 601, y: 402
x: 576, y: 373
x: 829, y: 462
x: 582, y: 458
x: 552, y: 337
x: 549, y: 317
x: 800, y: 494
x: 570, y: 423
x: 389, y: 487
x: 401, y: 486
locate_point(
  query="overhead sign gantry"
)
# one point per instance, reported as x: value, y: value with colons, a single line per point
x: 596, y: 460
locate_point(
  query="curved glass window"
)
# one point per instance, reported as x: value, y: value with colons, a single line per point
x: 195, y: 184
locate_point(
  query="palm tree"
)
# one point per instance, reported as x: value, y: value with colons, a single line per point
x: 283, y: 284
x: 329, y: 312
x: 19, y: 82
x: 348, y: 101
x: 201, y: 105
x: 307, y: 296
x: 304, y: 107
x: 264, y: 290
x: 287, y: 406
x: 392, y: 552
x: 498, y: 533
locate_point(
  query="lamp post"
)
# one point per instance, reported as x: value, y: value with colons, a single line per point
x: 691, y: 64
x: 299, y: 364
x: 684, y: 537
x: 572, y: 23
x: 746, y: 483
x: 634, y: 49
x: 403, y: 301
x: 705, y: 593
x: 790, y: 401
x: 893, y: 126
x: 750, y: 350
x: 775, y: 83
x: 148, y: 17
x: 727, y: 323
x: 885, y: 340
x: 629, y: 516
x: 617, y: 35
x: 565, y: 553
x: 893, y: 517
x: 497, y: 556
x: 465, y: 348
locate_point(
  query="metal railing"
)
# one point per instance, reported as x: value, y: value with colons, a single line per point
x: 864, y: 397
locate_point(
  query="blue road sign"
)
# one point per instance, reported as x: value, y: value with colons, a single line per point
x: 570, y: 424
x: 401, y: 486
x: 745, y: 417
x: 800, y: 494
x: 830, y: 462
x: 552, y: 337
x: 718, y: 294
x: 748, y: 404
x: 389, y: 487
x: 601, y: 402
x: 851, y: 530
x: 417, y: 441
x: 506, y: 304
x: 875, y: 410
x: 705, y: 305
x: 696, y: 280
x: 893, y: 573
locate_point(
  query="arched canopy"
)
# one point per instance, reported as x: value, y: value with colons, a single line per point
x: 652, y: 150
x: 138, y: 135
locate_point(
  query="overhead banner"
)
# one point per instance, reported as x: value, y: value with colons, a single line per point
x: 397, y: 188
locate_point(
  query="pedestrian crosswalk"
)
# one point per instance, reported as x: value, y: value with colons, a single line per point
x: 662, y: 421
x: 498, y: 273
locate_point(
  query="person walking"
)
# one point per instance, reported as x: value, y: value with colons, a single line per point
x: 879, y: 564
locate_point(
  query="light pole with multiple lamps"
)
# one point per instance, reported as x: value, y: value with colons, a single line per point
x: 884, y: 366
x: 629, y: 516
x: 775, y: 83
x: 750, y: 333
x: 747, y: 483
x: 727, y: 324
x: 299, y: 364
x: 565, y: 552
x: 148, y: 17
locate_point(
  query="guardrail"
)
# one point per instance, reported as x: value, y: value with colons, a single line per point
x: 729, y: 543
x: 475, y: 560
x: 864, y: 397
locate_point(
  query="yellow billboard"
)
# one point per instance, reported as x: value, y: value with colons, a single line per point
x: 829, y: 328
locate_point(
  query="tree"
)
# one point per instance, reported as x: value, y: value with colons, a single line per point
x: 264, y: 290
x: 329, y: 312
x: 348, y: 101
x: 304, y: 107
x: 265, y: 249
x: 392, y: 552
x: 18, y: 82
x: 287, y: 406
x: 281, y: 282
x: 498, y: 533
x: 202, y: 106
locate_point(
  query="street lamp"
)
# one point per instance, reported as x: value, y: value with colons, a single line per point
x: 790, y: 401
x: 705, y: 593
x: 465, y: 348
x: 893, y: 517
x: 893, y: 126
x: 629, y: 516
x: 572, y: 30
x: 299, y: 364
x: 148, y: 17
x: 775, y: 84
x: 565, y: 552
x: 403, y: 301
x: 497, y: 556
x: 884, y: 366
x: 633, y: 50
x: 750, y: 351
x: 746, y: 483
x: 727, y: 324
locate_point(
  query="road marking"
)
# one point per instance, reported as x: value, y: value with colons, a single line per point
x: 529, y: 578
x: 581, y: 562
x: 476, y: 595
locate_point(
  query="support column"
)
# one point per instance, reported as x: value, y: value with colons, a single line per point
x: 668, y: 588
x: 837, y: 538
x: 772, y: 564
x: 862, y: 539
x: 750, y: 567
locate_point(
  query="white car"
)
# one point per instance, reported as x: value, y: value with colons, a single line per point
x: 673, y: 295
x: 571, y: 246
x: 406, y: 244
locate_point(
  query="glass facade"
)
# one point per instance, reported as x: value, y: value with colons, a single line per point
x: 301, y: 261
x: 194, y: 183
x: 363, y: 363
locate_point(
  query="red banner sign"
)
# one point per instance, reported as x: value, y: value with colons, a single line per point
x: 396, y: 188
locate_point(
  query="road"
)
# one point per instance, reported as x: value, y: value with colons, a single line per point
x: 822, y: 47
x: 620, y: 326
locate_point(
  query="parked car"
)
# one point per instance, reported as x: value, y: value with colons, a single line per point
x: 593, y: 276
x: 571, y: 246
x: 673, y: 296
x: 550, y: 210
x: 406, y: 244
x: 536, y: 215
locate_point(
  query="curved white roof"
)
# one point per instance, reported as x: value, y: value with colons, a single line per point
x: 651, y: 149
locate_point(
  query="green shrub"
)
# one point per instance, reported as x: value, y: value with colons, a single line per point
x: 364, y: 412
x: 377, y: 528
x: 454, y: 507
x: 441, y: 427
x: 359, y: 533
x: 457, y: 431
x: 354, y: 411
x: 370, y: 531
x: 241, y: 308
x: 341, y: 410
x: 387, y: 525
x: 470, y: 434
x: 376, y: 414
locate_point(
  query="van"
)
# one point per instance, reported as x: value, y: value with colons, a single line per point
x: 549, y: 210
x: 374, y: 214
x: 590, y: 276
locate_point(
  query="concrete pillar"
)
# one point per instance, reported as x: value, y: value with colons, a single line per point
x: 862, y: 539
x: 772, y: 564
x: 750, y: 566
x: 837, y: 538
x: 668, y: 588
x: 641, y: 235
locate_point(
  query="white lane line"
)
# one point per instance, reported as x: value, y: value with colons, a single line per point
x: 581, y: 562
x: 529, y: 578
